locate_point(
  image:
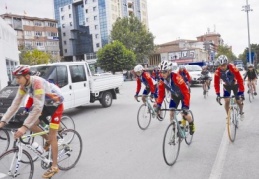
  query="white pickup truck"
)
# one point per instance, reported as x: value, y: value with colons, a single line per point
x: 77, y: 83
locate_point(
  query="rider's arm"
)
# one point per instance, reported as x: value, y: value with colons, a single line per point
x: 38, y: 103
x: 161, y: 92
x: 217, y: 81
x: 14, y: 106
x: 238, y: 77
x: 138, y: 86
x: 150, y: 82
x: 188, y: 76
x: 178, y: 80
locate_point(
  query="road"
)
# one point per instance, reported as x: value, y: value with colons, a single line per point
x: 114, y: 147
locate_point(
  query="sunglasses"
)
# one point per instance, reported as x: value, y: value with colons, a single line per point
x: 164, y: 72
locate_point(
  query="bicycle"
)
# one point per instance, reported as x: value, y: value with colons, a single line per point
x: 174, y: 134
x: 232, y: 118
x: 250, y: 91
x: 12, y: 161
x: 146, y: 111
x: 66, y: 122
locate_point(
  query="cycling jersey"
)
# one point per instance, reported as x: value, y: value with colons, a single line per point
x: 43, y: 94
x: 147, y: 80
x: 155, y: 75
x: 251, y: 74
x: 185, y: 75
x: 230, y: 77
x: 177, y: 88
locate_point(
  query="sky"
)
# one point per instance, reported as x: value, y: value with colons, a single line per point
x: 171, y: 20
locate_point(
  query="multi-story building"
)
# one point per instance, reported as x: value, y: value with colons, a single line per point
x: 85, y: 25
x: 34, y: 32
x: 9, y: 56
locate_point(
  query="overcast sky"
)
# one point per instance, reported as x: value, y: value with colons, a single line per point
x: 173, y: 19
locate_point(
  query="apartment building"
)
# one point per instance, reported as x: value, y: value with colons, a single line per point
x: 85, y: 25
x: 35, y: 33
x: 9, y: 56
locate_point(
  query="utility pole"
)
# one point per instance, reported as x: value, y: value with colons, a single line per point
x: 246, y: 8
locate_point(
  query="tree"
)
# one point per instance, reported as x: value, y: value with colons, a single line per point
x: 255, y: 49
x: 34, y: 57
x: 134, y: 36
x: 225, y: 50
x: 115, y: 57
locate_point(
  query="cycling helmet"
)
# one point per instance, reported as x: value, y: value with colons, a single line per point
x: 250, y: 65
x: 21, y: 70
x: 181, y: 67
x: 222, y: 59
x: 138, y: 68
x: 166, y: 65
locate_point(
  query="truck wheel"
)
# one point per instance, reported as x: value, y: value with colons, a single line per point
x: 106, y: 100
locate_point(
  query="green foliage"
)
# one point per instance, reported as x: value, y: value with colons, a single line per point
x: 255, y: 49
x: 34, y: 57
x: 225, y: 50
x: 115, y: 57
x: 134, y: 36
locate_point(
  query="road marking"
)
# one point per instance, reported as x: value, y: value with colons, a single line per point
x: 218, y: 165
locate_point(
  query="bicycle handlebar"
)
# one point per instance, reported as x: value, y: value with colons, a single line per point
x: 151, y: 99
x: 233, y: 96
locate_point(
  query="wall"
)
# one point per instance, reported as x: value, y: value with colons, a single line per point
x: 8, y: 51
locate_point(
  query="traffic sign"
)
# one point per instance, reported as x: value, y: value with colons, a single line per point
x: 252, y: 57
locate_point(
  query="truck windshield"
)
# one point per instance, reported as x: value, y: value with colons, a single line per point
x: 43, y: 70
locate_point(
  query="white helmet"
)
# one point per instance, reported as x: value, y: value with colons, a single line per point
x: 222, y: 59
x: 138, y: 68
x: 181, y: 67
x: 166, y: 65
x: 250, y: 65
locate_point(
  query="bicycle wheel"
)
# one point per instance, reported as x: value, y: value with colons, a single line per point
x: 143, y: 117
x: 69, y: 152
x: 171, y: 144
x: 162, y: 113
x: 205, y: 90
x: 67, y: 122
x: 250, y: 94
x: 231, y: 124
x: 10, y: 158
x: 188, y: 136
x: 4, y: 140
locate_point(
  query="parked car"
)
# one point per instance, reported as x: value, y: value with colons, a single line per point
x: 195, y: 73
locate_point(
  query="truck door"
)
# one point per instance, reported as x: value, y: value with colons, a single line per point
x: 59, y: 76
x: 80, y: 84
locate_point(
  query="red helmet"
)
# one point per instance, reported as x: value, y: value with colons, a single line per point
x: 21, y: 70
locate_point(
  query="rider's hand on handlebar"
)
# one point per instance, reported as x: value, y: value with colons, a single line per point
x: 136, y: 97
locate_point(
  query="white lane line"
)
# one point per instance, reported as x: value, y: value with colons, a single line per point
x: 218, y: 165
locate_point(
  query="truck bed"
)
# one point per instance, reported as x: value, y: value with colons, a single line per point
x: 105, y: 82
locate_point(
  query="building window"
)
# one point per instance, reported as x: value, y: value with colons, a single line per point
x: 71, y: 24
x: 62, y: 17
x: 65, y: 50
x: 85, y: 1
x: 63, y: 25
x: 97, y: 45
x: 37, y: 23
x: 38, y: 34
x: 61, y: 9
x: 69, y: 15
x: 65, y: 42
x: 64, y: 34
x: 68, y: 6
x: 86, y: 11
x: 96, y: 36
x: 95, y: 17
x: 96, y: 27
x: 94, y: 8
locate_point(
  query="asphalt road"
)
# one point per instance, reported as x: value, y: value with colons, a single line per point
x: 114, y: 147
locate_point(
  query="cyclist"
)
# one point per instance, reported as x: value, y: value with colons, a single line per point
x: 155, y: 74
x: 48, y: 101
x: 252, y: 76
x: 145, y: 78
x: 205, y: 77
x: 179, y: 92
x: 232, y: 80
x: 185, y: 75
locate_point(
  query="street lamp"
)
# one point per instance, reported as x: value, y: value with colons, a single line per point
x: 246, y: 8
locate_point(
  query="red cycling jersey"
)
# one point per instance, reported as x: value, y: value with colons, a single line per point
x: 185, y: 75
x: 147, y: 80
x: 179, y: 87
x: 237, y: 78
